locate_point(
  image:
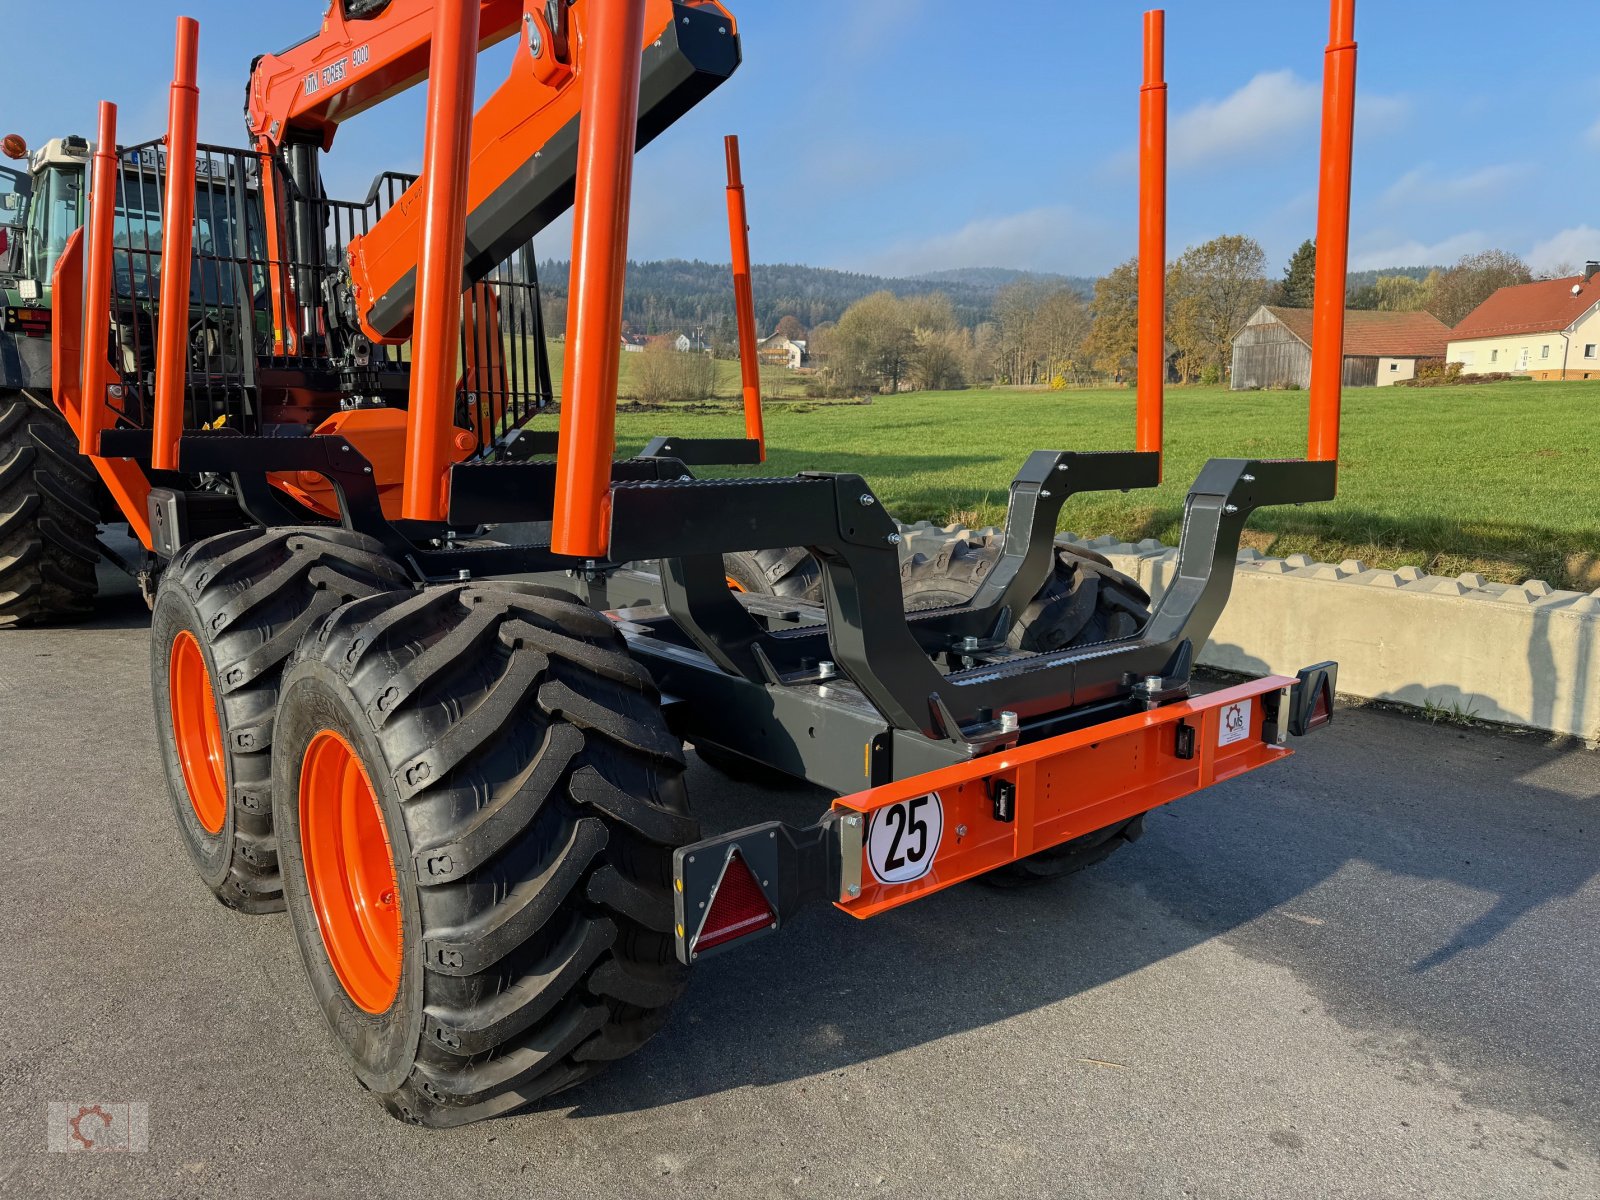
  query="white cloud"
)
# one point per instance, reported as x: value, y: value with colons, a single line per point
x: 1412, y: 253
x: 1424, y: 185
x: 1570, y: 247
x: 1053, y: 238
x: 1380, y: 114
x: 1270, y: 106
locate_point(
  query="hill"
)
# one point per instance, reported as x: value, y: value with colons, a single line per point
x: 677, y: 294
x: 995, y: 278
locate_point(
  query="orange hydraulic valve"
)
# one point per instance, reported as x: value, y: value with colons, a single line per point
x: 435, y: 364
x: 1333, y: 233
x: 1152, y: 235
x: 744, y: 298
x: 177, y: 243
x: 610, y: 78
x: 96, y: 375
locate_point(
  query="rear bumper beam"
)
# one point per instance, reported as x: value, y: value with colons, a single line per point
x: 889, y: 845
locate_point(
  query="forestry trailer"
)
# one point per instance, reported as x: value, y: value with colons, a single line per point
x: 424, y: 660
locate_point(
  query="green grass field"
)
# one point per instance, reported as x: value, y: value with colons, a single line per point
x: 1500, y: 478
x: 777, y: 383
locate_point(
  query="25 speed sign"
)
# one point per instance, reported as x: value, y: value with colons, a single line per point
x: 904, y: 838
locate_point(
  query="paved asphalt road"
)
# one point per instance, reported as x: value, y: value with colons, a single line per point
x: 1371, y: 971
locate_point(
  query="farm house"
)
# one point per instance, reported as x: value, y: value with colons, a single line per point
x: 1380, y: 348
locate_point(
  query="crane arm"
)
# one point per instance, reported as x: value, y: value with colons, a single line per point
x: 524, y: 138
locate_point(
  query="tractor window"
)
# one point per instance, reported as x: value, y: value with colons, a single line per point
x: 54, y: 216
x: 214, y: 268
x: 15, y: 188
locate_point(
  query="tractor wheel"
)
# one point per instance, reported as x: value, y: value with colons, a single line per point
x: 791, y: 574
x: 228, y: 613
x: 477, y: 802
x: 1085, y: 600
x: 49, y: 513
x: 1067, y: 858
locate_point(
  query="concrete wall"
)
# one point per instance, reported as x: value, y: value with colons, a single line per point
x: 1524, y: 655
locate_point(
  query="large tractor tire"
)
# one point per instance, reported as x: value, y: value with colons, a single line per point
x: 229, y: 612
x: 477, y: 802
x: 788, y: 574
x: 1085, y: 600
x: 49, y: 513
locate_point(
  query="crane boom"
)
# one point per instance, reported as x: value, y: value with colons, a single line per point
x: 524, y: 138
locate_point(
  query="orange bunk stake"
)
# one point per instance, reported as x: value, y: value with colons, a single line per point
x: 452, y: 75
x: 96, y: 373
x: 599, y: 270
x: 744, y: 299
x: 177, y: 244
x: 1333, y: 233
x: 1152, y: 236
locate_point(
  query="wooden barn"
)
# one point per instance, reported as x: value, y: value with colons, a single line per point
x: 1380, y: 348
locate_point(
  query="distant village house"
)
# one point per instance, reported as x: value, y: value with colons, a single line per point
x: 780, y: 351
x: 1548, y: 330
x: 1380, y: 348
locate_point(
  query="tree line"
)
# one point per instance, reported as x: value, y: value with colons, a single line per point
x: 1043, y: 334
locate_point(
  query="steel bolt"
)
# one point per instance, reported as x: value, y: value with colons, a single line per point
x: 1044, y: 495
x: 1230, y: 508
x: 854, y: 889
x: 827, y: 670
x: 1061, y: 466
x: 1009, y: 721
x: 463, y: 576
x: 1248, y: 478
x: 968, y: 643
x: 894, y: 539
x: 867, y: 500
x: 961, y: 831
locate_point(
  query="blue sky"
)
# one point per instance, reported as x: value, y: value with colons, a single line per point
x: 899, y: 136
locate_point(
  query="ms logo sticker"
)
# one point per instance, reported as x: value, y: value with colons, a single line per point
x: 1235, y: 723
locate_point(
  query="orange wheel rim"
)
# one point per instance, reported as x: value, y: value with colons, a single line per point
x: 197, y: 732
x: 350, y: 872
x: 734, y: 585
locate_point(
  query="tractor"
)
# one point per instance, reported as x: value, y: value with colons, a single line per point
x: 426, y: 652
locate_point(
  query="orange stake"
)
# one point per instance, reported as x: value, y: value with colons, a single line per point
x: 1152, y: 235
x: 96, y: 374
x: 177, y: 244
x: 452, y: 75
x: 744, y: 299
x: 599, y: 269
x: 1333, y: 233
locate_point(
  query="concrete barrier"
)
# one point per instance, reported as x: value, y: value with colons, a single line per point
x: 1521, y: 654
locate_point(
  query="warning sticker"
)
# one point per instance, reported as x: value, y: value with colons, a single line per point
x: 1235, y: 723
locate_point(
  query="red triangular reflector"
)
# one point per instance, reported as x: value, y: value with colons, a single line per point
x: 1322, y: 707
x: 738, y: 906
